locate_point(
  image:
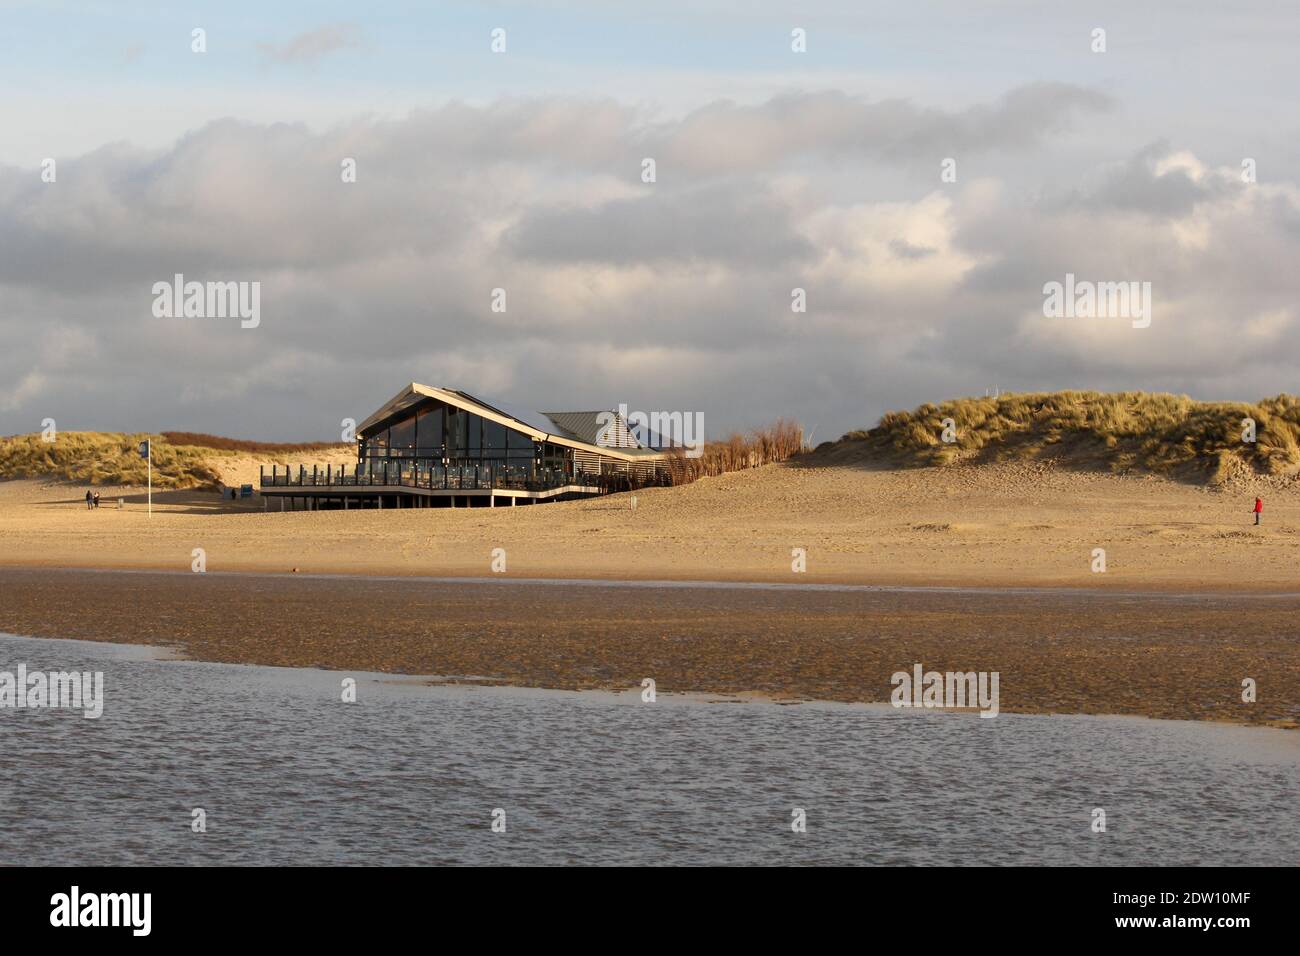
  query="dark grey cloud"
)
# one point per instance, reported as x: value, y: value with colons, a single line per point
x: 1139, y: 184
x: 905, y: 250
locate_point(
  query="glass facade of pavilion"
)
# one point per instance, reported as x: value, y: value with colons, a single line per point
x: 431, y: 436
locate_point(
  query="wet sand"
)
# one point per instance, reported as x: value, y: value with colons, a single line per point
x: 1167, y: 656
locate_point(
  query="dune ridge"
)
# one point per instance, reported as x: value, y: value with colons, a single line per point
x: 1156, y: 433
x: 180, y: 459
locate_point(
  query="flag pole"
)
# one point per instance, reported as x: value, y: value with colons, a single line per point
x: 146, y: 452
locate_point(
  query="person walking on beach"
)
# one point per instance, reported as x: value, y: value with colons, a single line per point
x: 89, y: 500
x: 1259, y: 507
x: 97, y: 499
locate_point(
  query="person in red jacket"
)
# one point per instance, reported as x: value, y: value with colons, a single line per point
x: 1259, y: 507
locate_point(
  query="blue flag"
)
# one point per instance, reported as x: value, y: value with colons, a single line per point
x: 144, y: 448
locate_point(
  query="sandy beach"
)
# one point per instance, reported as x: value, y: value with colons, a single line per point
x: 1194, y: 599
x: 1011, y: 525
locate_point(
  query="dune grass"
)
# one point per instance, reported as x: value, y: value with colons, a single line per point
x: 180, y: 459
x: 1170, y: 435
x: 217, y: 442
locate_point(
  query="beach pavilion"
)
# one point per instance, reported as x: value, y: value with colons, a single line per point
x: 441, y: 447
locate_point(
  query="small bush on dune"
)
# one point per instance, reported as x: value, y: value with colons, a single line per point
x: 763, y: 446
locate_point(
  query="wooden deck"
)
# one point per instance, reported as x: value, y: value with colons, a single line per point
x: 316, y: 497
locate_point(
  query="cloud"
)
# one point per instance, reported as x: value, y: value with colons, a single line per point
x: 723, y: 137
x: 739, y: 224
x: 1158, y: 182
x: 674, y: 294
x: 313, y: 45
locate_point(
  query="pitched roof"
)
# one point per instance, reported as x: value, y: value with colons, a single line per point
x: 595, y: 428
x: 540, y: 426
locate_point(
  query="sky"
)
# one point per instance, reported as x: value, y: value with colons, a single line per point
x: 919, y: 170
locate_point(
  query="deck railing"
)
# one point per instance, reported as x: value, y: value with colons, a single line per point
x: 418, y: 475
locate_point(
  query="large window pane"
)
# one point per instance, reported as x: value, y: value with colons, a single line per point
x: 456, y: 429
x: 475, y: 435
x: 494, y: 437
x: 428, y: 433
x: 518, y: 440
x: 401, y: 438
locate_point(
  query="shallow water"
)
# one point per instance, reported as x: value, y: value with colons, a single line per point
x: 410, y: 774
